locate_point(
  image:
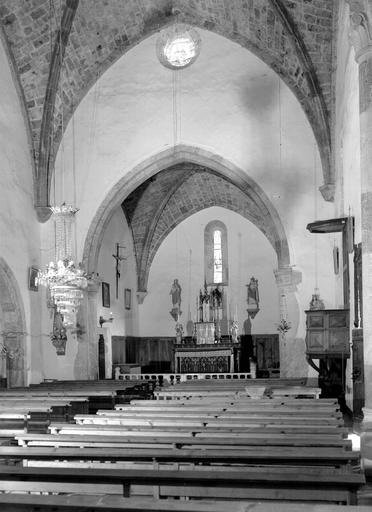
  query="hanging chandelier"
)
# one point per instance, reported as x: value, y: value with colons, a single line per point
x: 65, y: 280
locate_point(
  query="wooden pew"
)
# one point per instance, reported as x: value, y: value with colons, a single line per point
x: 238, y: 448
x: 94, y: 503
x: 254, y: 417
x: 201, y: 484
x: 248, y: 415
x: 297, y: 391
x: 271, y: 455
x: 101, y: 395
x: 262, y: 402
x: 76, y: 435
x: 205, y: 424
x: 177, y: 393
x: 35, y: 414
x: 233, y: 410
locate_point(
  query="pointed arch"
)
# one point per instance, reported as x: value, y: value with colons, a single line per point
x: 273, y: 227
x: 12, y: 324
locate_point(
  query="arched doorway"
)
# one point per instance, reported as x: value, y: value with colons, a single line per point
x: 12, y: 328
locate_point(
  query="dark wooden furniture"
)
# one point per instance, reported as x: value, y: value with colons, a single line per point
x: 328, y: 339
x: 81, y: 502
x: 280, y: 449
x: 327, y: 333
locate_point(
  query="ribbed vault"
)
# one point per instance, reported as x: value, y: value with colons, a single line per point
x: 156, y: 207
x: 294, y: 37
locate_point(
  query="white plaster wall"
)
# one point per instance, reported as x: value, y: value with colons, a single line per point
x: 125, y: 321
x: 347, y: 154
x: 347, y: 128
x: 229, y: 103
x: 19, y: 231
x: 181, y: 256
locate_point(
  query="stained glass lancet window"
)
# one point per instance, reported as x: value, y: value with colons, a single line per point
x: 215, y: 253
x: 217, y: 256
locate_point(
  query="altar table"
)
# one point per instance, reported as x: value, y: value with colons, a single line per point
x: 211, y: 358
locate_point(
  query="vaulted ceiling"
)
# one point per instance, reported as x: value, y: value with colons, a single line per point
x: 156, y: 207
x: 58, y: 50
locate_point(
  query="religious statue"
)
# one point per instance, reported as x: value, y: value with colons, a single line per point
x: 59, y: 334
x: 253, y: 299
x: 217, y: 297
x: 316, y: 302
x: 179, y: 332
x: 175, y: 292
x: 234, y: 331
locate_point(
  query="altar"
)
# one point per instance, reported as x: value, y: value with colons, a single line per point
x: 208, y: 351
x: 222, y: 357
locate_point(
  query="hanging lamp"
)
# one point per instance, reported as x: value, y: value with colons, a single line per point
x: 65, y: 280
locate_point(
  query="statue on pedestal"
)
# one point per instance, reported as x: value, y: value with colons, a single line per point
x: 234, y: 331
x: 316, y: 302
x: 176, y: 300
x: 179, y: 332
x: 253, y: 298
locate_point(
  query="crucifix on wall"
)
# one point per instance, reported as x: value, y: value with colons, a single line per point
x: 118, y: 259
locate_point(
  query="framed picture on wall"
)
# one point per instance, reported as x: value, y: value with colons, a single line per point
x: 127, y: 298
x: 105, y: 295
x: 32, y: 279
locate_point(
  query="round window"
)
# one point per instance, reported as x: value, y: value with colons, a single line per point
x: 178, y: 46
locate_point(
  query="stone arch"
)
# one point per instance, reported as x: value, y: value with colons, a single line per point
x: 12, y: 324
x: 288, y: 54
x: 164, y: 160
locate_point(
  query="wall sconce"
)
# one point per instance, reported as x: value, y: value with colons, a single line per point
x: 104, y: 320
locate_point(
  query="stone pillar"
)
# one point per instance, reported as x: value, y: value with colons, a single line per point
x: 291, y: 349
x: 361, y: 38
x: 86, y: 362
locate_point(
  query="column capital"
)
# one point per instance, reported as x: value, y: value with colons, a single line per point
x: 94, y: 283
x: 287, y: 279
x: 141, y: 295
x: 328, y: 191
x: 360, y: 35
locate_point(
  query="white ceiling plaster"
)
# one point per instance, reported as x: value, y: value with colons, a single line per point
x: 227, y: 103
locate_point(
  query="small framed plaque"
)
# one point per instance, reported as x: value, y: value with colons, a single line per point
x: 106, y: 295
x: 32, y: 279
x: 127, y: 298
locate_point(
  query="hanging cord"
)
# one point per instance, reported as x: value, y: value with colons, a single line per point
x: 74, y: 203
x: 61, y: 106
x: 280, y: 127
x: 74, y: 182
x: 240, y: 299
x: 176, y: 251
x: 189, y: 285
x: 315, y: 217
x: 51, y: 16
x: 175, y: 105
